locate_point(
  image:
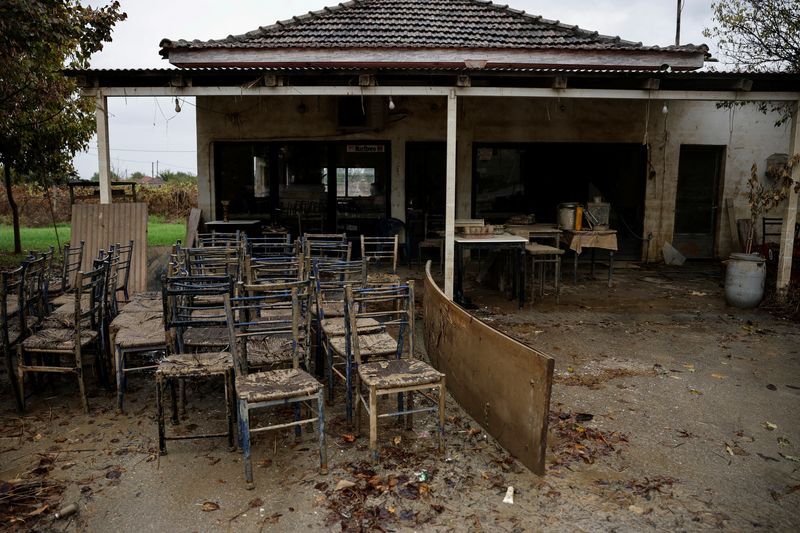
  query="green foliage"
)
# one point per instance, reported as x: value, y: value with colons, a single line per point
x: 114, y: 176
x: 43, y: 119
x: 759, y: 35
x: 179, y: 176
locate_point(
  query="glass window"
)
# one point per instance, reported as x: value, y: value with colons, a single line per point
x: 355, y: 182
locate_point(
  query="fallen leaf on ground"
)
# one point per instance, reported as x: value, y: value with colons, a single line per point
x: 728, y: 449
x: 770, y: 426
x: 397, y: 440
x: 210, y: 506
x: 783, y: 441
x: 348, y: 438
x: 789, y: 457
x: 719, y: 376
x: 695, y: 391
x: 344, y: 484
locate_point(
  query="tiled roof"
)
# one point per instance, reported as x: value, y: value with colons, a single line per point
x: 459, y: 24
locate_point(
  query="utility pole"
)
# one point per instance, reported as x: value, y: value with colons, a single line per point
x: 156, y: 174
x: 152, y: 175
x: 678, y: 24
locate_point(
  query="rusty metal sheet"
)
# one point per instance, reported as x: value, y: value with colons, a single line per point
x: 100, y: 225
x: 192, y: 224
x: 502, y: 384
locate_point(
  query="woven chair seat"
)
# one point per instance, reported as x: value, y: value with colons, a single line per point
x: 133, y: 320
x: 54, y: 286
x: 143, y: 305
x: 398, y: 373
x: 211, y: 337
x: 270, y: 350
x: 189, y: 365
x: 67, y: 306
x: 148, y: 335
x: 375, y: 344
x: 276, y: 385
x: 64, y: 321
x: 383, y: 278
x: 57, y: 340
x: 335, y: 327
x: 330, y: 309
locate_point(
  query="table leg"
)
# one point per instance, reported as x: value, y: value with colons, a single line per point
x: 610, y: 266
x: 521, y: 275
x: 575, y: 269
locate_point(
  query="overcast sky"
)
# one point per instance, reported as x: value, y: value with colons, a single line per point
x: 146, y: 132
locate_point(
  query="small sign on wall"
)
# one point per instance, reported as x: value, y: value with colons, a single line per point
x: 365, y: 148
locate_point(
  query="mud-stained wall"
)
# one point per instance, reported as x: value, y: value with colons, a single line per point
x: 502, y: 384
x: 747, y: 135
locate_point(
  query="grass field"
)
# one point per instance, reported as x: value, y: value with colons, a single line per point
x: 159, y: 233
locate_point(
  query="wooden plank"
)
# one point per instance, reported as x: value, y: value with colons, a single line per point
x: 192, y: 225
x: 503, y: 384
x: 101, y: 225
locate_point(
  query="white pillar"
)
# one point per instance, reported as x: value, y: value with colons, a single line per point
x: 790, y: 217
x: 450, y: 194
x: 103, y: 151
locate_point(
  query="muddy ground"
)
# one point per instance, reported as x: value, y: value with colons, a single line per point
x: 670, y: 411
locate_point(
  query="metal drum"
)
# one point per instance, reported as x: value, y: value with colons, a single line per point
x: 566, y: 215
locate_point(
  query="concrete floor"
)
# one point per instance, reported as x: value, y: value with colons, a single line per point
x: 694, y: 426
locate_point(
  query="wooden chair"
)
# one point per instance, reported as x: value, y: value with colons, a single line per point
x: 64, y: 349
x: 12, y: 322
x: 270, y: 342
x: 399, y: 374
x: 255, y: 317
x: 330, y: 247
x: 544, y: 255
x: 71, y: 263
x: 125, y: 254
x: 381, y: 251
x: 275, y: 244
x: 181, y: 313
x: 433, y: 237
x: 212, y: 261
x: 216, y: 238
x: 274, y: 269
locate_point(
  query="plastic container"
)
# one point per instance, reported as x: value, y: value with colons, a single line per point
x: 744, y: 280
x: 566, y: 215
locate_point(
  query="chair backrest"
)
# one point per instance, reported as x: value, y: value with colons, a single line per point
x: 10, y: 298
x: 279, y: 310
x: 216, y: 238
x: 73, y: 257
x: 393, y: 306
x: 212, y: 261
x: 330, y: 278
x: 434, y: 225
x: 189, y: 301
x: 33, y: 289
x: 90, y: 296
x: 125, y: 254
x: 110, y: 302
x: 380, y: 250
x: 279, y: 244
x: 274, y: 269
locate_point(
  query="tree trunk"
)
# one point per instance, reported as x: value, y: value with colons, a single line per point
x: 14, y: 209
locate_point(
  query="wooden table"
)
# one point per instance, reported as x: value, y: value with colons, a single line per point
x: 513, y: 243
x: 250, y: 227
x: 537, y: 232
x: 603, y: 239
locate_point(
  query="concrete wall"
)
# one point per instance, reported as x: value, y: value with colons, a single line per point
x: 750, y: 137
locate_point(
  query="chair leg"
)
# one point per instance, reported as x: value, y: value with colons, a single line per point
x: 329, y: 352
x: 12, y: 377
x: 442, y: 400
x: 20, y: 379
x: 357, y: 397
x: 82, y: 386
x: 119, y: 361
x: 373, y: 423
x: 323, y: 450
x: 160, y: 389
x: 228, y: 379
x: 174, y: 399
x: 298, y: 431
x: 348, y: 373
x: 244, y: 430
x: 409, y: 407
x: 558, y: 278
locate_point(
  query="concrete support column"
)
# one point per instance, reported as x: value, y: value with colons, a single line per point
x: 103, y: 150
x: 790, y: 216
x: 450, y: 194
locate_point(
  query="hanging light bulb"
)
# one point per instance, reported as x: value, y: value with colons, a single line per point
x: 391, y: 104
x: 177, y: 105
x: 665, y: 109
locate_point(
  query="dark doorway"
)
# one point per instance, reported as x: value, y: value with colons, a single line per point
x: 426, y: 169
x: 697, y: 200
x: 533, y: 178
